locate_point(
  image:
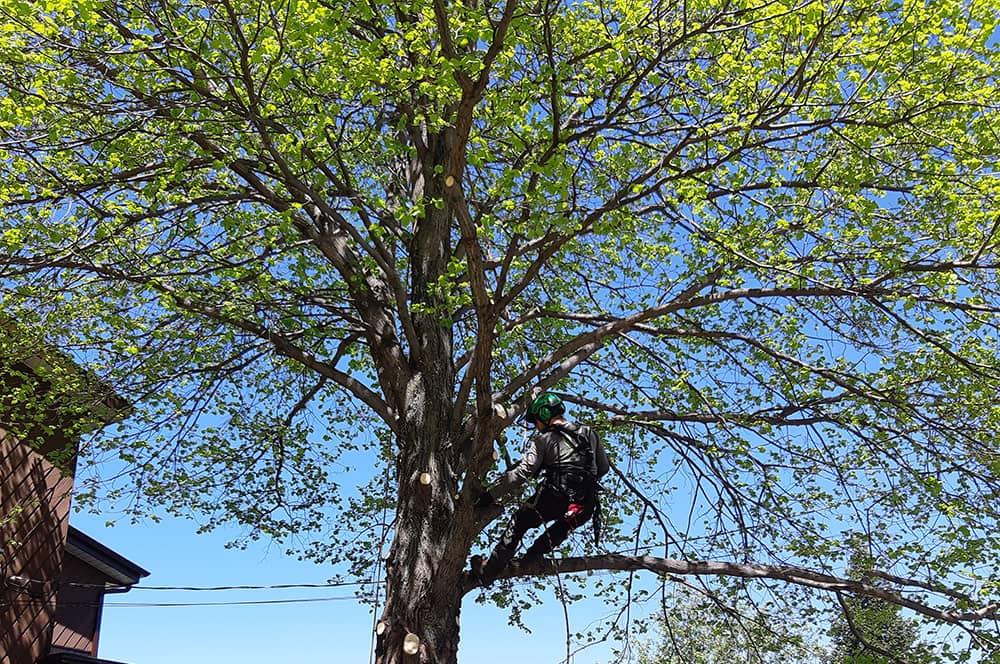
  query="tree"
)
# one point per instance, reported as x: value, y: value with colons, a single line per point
x: 698, y: 628
x: 870, y: 630
x: 328, y: 249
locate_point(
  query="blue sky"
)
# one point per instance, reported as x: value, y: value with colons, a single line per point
x: 328, y: 631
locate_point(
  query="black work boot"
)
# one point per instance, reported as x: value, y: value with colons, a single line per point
x: 529, y: 559
x: 476, y: 565
x: 489, y: 570
x: 534, y: 554
x: 540, y: 547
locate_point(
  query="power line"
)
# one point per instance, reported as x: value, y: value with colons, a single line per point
x: 299, y: 600
x: 278, y: 586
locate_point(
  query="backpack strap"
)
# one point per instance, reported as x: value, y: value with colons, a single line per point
x: 581, y: 444
x: 576, y: 478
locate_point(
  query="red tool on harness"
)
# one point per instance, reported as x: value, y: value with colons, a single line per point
x: 572, y: 516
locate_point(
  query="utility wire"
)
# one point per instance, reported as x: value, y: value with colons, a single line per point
x: 279, y: 586
x: 300, y: 600
x: 283, y: 586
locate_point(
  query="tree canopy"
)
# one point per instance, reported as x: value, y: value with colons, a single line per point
x: 328, y: 249
x: 697, y: 629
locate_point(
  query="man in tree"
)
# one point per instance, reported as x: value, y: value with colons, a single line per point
x: 322, y: 246
x: 573, y: 460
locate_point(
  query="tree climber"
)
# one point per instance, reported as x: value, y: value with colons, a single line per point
x: 573, y: 461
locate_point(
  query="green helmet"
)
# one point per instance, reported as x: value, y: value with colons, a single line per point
x: 545, y: 406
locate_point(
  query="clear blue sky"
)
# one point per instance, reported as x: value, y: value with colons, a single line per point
x: 329, y: 631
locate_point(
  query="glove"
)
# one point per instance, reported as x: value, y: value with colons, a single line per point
x: 485, y: 501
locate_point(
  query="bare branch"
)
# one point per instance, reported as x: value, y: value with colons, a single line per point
x: 794, y: 575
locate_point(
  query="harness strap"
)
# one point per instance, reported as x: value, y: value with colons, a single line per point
x: 586, y: 484
x: 575, y: 479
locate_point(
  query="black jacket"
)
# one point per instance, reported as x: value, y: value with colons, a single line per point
x: 550, y: 449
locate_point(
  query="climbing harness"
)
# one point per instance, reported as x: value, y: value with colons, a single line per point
x: 575, y: 480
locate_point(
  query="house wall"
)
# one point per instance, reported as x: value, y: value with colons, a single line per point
x: 34, y: 512
x: 78, y: 608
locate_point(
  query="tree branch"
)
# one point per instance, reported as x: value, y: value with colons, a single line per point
x: 564, y: 359
x: 795, y: 575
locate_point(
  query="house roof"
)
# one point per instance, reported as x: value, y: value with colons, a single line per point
x: 47, y: 400
x: 121, y: 570
x: 47, y: 363
x: 74, y: 658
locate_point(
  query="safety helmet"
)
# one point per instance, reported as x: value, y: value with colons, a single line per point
x: 545, y: 406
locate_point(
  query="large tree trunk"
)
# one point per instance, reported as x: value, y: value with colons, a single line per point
x: 434, y: 528
x: 424, y: 568
x: 421, y: 618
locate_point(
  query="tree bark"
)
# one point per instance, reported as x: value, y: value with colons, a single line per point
x: 420, y: 622
x: 434, y: 524
x: 424, y: 567
x: 434, y: 527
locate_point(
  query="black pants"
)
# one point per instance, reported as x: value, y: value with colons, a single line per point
x: 549, y: 504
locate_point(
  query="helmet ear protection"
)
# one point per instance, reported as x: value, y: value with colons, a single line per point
x: 545, y: 407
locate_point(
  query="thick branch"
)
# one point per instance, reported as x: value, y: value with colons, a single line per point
x: 794, y: 575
